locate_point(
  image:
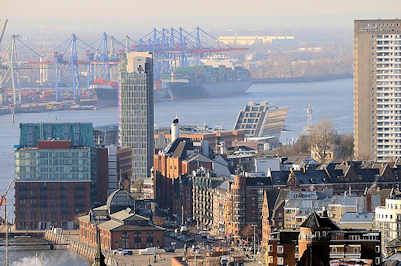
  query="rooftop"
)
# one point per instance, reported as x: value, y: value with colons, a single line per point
x: 314, y: 221
x: 353, y: 217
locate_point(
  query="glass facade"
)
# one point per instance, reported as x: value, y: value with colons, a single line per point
x: 80, y: 134
x: 137, y: 112
x: 53, y: 164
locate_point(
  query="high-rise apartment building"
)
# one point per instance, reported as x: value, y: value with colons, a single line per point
x: 137, y: 111
x: 377, y: 89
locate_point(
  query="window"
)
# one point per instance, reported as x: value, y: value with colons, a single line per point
x: 280, y: 249
x: 377, y: 260
x: 280, y: 261
x: 377, y: 249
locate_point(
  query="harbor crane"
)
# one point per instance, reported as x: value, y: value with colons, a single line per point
x: 171, y: 48
x: 3, y: 30
x: 4, y: 76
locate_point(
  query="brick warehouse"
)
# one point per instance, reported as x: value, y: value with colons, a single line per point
x: 120, y: 224
x: 42, y: 204
x: 58, y: 174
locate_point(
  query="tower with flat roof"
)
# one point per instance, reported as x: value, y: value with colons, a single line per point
x: 377, y: 89
x: 137, y: 111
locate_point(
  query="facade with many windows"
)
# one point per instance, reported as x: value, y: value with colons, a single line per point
x: 377, y: 89
x: 319, y: 241
x: 137, y: 111
x: 261, y: 120
x: 57, y: 174
x: 203, y: 184
x: 53, y: 181
x: 120, y: 224
x: 388, y: 219
x: 63, y: 163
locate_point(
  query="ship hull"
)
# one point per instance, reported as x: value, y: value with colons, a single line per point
x: 109, y: 97
x: 208, y: 89
x: 106, y: 97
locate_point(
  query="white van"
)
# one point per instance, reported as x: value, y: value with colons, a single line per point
x: 148, y: 251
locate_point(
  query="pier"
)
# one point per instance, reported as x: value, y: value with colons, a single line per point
x: 72, y: 242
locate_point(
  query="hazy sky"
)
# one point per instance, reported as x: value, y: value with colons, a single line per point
x: 300, y: 13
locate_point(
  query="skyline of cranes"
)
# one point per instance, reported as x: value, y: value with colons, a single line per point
x: 75, y: 63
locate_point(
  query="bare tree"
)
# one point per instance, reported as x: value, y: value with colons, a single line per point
x: 322, y: 135
x: 345, y: 147
x: 137, y: 188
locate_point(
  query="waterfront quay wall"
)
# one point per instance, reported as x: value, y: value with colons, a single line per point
x: 35, y: 234
x: 78, y: 247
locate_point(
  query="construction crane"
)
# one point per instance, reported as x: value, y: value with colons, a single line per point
x: 3, y: 202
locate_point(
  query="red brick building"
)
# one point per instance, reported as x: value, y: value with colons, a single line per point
x: 53, y: 184
x: 40, y: 205
x: 179, y: 158
x: 173, y: 188
x: 320, y: 242
x: 119, y: 225
x: 123, y: 229
x: 102, y: 176
x: 124, y: 166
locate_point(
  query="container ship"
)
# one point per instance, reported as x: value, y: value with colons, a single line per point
x: 106, y: 92
x: 214, y: 78
x: 206, y: 82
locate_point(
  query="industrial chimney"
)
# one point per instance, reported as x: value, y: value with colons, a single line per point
x: 175, y: 131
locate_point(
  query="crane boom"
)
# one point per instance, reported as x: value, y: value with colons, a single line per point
x: 3, y: 197
x: 3, y: 30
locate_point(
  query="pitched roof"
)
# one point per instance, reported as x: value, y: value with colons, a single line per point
x: 179, y: 147
x: 123, y: 214
x: 272, y: 196
x: 200, y: 158
x: 110, y: 225
x: 314, y: 221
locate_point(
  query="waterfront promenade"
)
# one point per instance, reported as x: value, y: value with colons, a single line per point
x: 72, y: 238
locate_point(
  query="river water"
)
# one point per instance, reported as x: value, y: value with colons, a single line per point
x: 43, y: 258
x: 331, y: 100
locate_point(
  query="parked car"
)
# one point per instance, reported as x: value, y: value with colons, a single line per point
x: 169, y: 249
x: 127, y: 252
x: 117, y: 251
x: 148, y: 251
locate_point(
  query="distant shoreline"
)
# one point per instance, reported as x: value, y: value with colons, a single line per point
x: 302, y: 79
